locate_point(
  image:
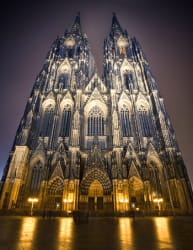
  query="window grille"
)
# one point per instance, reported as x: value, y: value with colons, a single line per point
x: 48, y: 119
x: 128, y: 80
x: 66, y: 120
x: 144, y: 121
x: 37, y: 174
x: 95, y: 122
x: 125, y: 121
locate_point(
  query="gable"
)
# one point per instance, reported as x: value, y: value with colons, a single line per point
x: 95, y: 82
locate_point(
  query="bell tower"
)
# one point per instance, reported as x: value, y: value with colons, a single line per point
x: 146, y: 161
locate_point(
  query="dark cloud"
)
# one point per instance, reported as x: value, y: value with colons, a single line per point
x: 165, y: 31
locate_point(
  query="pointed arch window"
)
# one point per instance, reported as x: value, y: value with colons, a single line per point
x: 48, y: 118
x: 155, y: 179
x: 125, y: 121
x: 37, y: 175
x: 128, y: 80
x: 66, y: 121
x: 144, y: 119
x: 95, y: 122
x: 63, y: 81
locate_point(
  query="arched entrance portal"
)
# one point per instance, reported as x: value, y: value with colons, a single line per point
x: 55, y: 194
x: 136, y: 191
x: 96, y: 192
x: 95, y: 196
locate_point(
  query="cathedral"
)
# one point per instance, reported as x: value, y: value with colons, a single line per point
x: 100, y: 144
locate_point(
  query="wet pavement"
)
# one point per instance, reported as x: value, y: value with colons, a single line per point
x: 151, y: 233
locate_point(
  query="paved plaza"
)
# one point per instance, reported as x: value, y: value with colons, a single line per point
x: 149, y: 233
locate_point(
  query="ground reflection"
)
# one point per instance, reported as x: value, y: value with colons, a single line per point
x: 65, y: 234
x: 163, y: 233
x: 27, y: 232
x: 125, y: 233
x: 145, y: 233
x: 34, y: 233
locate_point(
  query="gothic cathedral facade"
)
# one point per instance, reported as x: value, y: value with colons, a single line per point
x: 100, y: 144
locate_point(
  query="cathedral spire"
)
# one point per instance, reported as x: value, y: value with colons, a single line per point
x: 76, y: 27
x: 116, y: 27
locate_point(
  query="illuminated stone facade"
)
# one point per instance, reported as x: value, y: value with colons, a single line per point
x: 100, y: 144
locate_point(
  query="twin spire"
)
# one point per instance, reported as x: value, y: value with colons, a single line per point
x: 116, y: 28
x: 76, y: 27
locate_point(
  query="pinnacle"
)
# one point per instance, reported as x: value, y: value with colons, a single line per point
x: 76, y: 27
x: 116, y: 27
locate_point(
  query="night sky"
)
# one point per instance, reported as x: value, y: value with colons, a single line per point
x: 165, y: 32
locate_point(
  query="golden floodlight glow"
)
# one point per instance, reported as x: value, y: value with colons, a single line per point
x: 26, y: 233
x: 66, y: 232
x: 32, y: 200
x: 67, y: 201
x: 158, y: 200
x: 68, y: 205
x: 123, y: 201
x: 164, y: 237
x: 125, y: 233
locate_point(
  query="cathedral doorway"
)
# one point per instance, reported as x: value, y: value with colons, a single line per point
x: 96, y: 192
x: 136, y: 192
x: 95, y: 196
x: 55, y: 194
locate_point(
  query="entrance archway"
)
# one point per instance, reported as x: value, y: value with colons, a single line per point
x: 55, y: 194
x: 95, y: 196
x: 96, y: 191
x: 136, y: 191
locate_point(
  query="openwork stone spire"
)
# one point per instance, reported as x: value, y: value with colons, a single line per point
x: 76, y: 27
x: 116, y: 27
